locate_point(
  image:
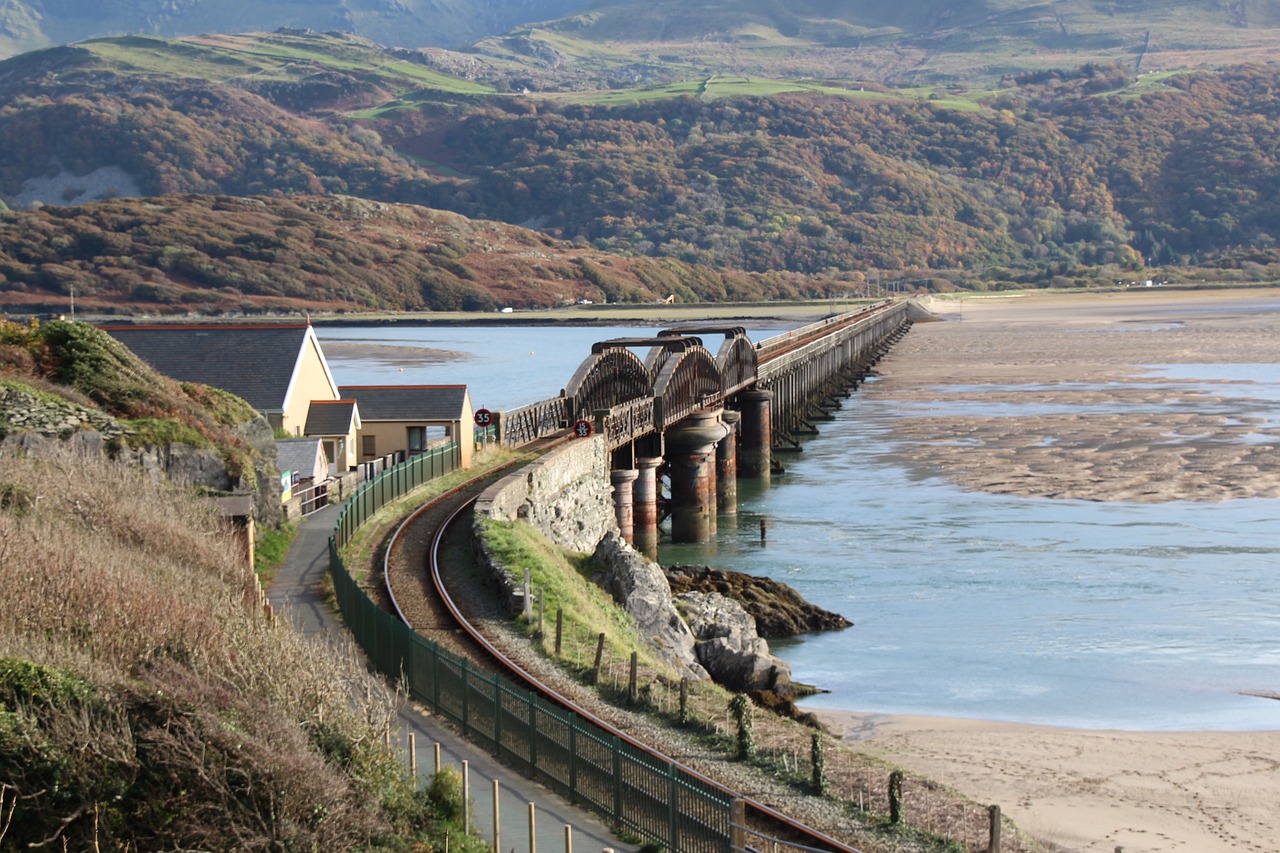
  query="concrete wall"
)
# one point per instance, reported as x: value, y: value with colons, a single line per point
x: 566, y: 495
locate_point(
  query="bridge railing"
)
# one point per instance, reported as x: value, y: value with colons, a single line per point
x: 824, y: 326
x: 654, y: 798
x: 522, y: 425
x: 885, y: 317
x: 626, y: 421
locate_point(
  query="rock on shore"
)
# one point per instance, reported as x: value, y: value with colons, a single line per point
x: 778, y: 609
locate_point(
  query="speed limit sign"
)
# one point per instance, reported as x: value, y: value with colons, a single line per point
x: 484, y: 418
x: 582, y: 429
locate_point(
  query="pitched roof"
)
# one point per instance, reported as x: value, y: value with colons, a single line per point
x: 255, y: 361
x: 299, y: 455
x: 408, y: 402
x: 331, y: 417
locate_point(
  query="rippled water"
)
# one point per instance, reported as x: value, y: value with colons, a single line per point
x: 1100, y: 615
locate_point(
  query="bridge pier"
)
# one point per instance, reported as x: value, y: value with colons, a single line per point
x: 623, y: 503
x: 691, y: 462
x: 755, y: 451
x: 727, y: 465
x: 645, y: 514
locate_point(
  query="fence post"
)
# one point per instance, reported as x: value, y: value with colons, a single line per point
x: 738, y: 825
x: 413, y: 757
x: 533, y: 734
x: 673, y: 808
x: 993, y: 814
x: 497, y: 823
x: 573, y: 757
x: 568, y: 838
x: 497, y: 716
x: 631, y: 682
x: 559, y: 628
x: 533, y: 834
x: 466, y: 797
x: 617, y: 779
x: 595, y: 670
x: 465, y: 668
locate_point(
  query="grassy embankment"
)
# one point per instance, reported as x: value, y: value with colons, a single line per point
x: 145, y: 702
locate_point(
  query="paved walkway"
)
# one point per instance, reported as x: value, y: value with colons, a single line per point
x: 294, y: 591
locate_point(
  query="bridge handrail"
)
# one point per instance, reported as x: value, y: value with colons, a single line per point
x: 770, y: 367
x: 787, y: 339
x: 527, y: 423
x: 626, y: 421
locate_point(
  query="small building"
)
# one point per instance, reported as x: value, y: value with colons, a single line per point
x: 336, y: 423
x: 412, y: 418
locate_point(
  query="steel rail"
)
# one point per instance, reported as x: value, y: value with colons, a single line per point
x: 533, y: 683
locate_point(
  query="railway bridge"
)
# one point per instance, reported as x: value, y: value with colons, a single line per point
x: 703, y: 419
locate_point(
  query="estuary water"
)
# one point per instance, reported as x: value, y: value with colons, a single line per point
x: 1070, y: 613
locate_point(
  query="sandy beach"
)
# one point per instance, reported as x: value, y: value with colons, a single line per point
x: 1080, y: 790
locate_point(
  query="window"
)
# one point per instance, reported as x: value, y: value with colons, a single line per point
x: 417, y: 439
x: 368, y: 445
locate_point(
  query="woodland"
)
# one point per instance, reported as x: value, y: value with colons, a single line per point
x: 254, y: 193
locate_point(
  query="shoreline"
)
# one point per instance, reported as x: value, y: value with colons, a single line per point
x: 1091, y: 790
x: 1082, y: 790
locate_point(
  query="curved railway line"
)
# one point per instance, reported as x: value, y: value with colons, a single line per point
x: 418, y: 583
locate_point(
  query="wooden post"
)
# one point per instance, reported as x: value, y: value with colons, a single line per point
x: 437, y: 756
x: 528, y: 599
x: 497, y: 824
x: 683, y: 716
x: 541, y: 632
x: 466, y: 796
x: 533, y: 831
x: 895, y: 797
x: 631, y: 684
x: 413, y: 757
x: 559, y: 628
x: 568, y: 838
x: 738, y: 825
x: 595, y: 670
x: 993, y: 845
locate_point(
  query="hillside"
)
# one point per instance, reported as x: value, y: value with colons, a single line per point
x: 220, y: 254
x: 904, y: 43
x: 32, y: 24
x: 731, y: 188
x: 145, y: 701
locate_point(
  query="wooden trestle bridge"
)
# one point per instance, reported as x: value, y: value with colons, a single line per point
x: 682, y: 405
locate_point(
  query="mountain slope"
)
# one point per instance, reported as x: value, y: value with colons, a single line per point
x: 31, y: 24
x: 913, y: 41
x: 218, y: 254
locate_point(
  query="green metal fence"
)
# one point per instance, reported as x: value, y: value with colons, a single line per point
x: 637, y: 791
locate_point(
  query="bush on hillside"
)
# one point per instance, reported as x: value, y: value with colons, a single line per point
x: 144, y: 701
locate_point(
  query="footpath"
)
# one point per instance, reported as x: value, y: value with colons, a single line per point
x: 295, y: 593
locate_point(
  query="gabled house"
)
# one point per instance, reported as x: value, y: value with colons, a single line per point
x: 412, y: 418
x: 279, y: 369
x: 336, y: 423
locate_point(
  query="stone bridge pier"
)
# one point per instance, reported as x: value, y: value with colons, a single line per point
x: 699, y: 420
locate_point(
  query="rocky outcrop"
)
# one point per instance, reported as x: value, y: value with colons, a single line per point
x: 32, y: 423
x: 778, y: 610
x: 24, y: 412
x: 639, y: 585
x: 728, y: 646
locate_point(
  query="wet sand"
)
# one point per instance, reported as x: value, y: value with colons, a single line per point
x: 1061, y: 358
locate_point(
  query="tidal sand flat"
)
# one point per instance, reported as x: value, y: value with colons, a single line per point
x: 1086, y: 398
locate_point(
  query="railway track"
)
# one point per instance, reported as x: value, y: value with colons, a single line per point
x: 431, y: 602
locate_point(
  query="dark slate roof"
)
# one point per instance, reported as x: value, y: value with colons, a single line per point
x: 330, y: 417
x: 407, y: 402
x: 298, y: 455
x: 255, y: 362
